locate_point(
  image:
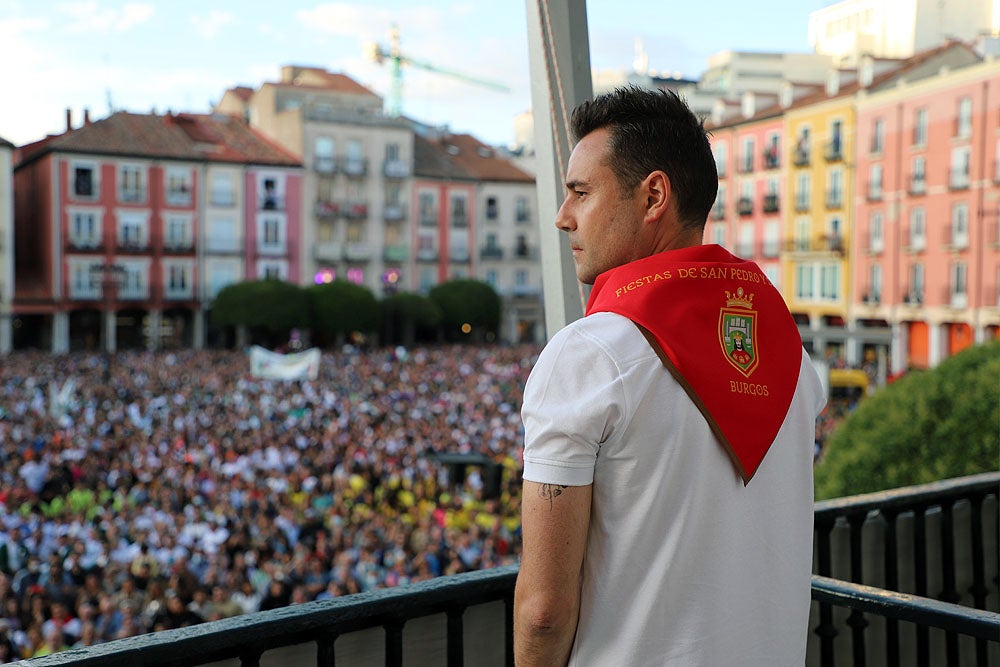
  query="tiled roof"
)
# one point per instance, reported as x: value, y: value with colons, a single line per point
x: 183, y: 137
x: 317, y: 77
x: 462, y: 156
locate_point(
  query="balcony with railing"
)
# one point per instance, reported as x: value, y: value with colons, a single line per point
x: 801, y: 157
x: 913, y: 296
x: 395, y: 252
x: 396, y: 169
x: 356, y: 210
x: 328, y: 251
x: 718, y: 211
x: 357, y: 251
x: 874, y: 191
x: 325, y: 164
x: 392, y: 212
x: 326, y: 210
x: 958, y: 179
x: 871, y: 297
x: 801, y: 202
x: 354, y: 166
x: 955, y: 297
x: 902, y: 577
x: 833, y: 152
x: 834, y: 198
x: 744, y: 206
x: 491, y: 252
x: 918, y: 185
x: 955, y: 238
x: 771, y: 158
x: 772, y: 202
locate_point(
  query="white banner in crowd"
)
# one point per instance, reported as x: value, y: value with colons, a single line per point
x: 273, y: 366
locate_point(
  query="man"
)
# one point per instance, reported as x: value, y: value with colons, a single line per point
x: 667, y: 501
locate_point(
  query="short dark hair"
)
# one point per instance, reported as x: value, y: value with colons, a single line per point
x: 653, y: 130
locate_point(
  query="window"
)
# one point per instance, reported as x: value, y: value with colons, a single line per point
x: 392, y: 152
x: 878, y: 132
x: 84, y: 283
x: 719, y: 234
x: 222, y: 193
x: 915, y: 295
x: 222, y: 235
x: 178, y: 231
x: 323, y: 155
x: 875, y: 182
x: 744, y: 247
x: 491, y: 208
x: 272, y: 234
x: 271, y: 196
x: 874, y: 294
x: 772, y: 152
x: 178, y: 186
x: 491, y: 278
x: 428, y: 214
x: 719, y: 208
x: 804, y: 281
x: 959, y: 285
x: 85, y: 228
x: 746, y: 159
x: 920, y: 127
x: 134, y: 284
x: 829, y: 282
x: 354, y: 163
x: 803, y: 185
x: 876, y: 240
x: 963, y: 126
x: 918, y: 229
x: 960, y: 225
x: 271, y: 270
x: 131, y: 183
x: 521, y: 247
x: 720, y: 159
x: 772, y: 238
x: 960, y: 166
x: 918, y: 178
x: 835, y: 189
x: 802, y: 148
x: 85, y: 181
x: 355, y: 233
x: 521, y: 212
x: 803, y: 233
x: 177, y: 281
x: 458, y: 217
x: 131, y: 231
x: 836, y: 140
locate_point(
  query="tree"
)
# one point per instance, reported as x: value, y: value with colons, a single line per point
x: 927, y: 426
x: 341, y: 308
x: 269, y: 308
x: 407, y: 317
x: 467, y: 307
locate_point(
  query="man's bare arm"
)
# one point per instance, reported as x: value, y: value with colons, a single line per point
x: 554, y: 522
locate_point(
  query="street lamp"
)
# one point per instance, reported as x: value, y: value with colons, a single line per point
x: 110, y: 276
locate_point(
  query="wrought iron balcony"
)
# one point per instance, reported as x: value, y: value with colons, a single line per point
x: 744, y: 206
x: 889, y: 587
x: 771, y: 203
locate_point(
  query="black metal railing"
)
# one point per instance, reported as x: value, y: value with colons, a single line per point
x: 922, y: 605
x: 905, y: 541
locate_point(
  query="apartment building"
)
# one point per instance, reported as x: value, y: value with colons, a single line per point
x: 927, y: 265
x: 850, y: 29
x: 126, y: 227
x: 357, y: 173
x: 6, y: 242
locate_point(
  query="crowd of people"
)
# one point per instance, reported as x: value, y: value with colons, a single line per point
x: 178, y: 488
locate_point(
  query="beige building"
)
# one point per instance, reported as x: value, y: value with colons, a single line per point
x: 357, y: 168
x: 898, y: 28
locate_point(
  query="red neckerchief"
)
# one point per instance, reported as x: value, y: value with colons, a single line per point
x: 723, y: 331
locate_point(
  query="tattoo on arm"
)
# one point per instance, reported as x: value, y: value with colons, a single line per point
x: 550, y: 491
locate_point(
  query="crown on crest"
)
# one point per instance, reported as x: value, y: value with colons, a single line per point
x: 739, y: 299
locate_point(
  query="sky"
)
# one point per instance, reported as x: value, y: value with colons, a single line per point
x: 182, y: 55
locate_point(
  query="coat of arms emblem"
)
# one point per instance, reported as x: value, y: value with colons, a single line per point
x: 738, y: 331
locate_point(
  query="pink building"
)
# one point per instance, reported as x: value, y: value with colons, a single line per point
x: 122, y: 225
x: 746, y: 218
x: 927, y: 259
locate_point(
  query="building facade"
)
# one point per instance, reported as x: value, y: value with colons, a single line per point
x: 928, y: 260
x: 357, y: 173
x: 127, y: 227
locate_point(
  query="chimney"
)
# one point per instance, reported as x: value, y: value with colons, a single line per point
x: 86, y: 116
x: 69, y: 119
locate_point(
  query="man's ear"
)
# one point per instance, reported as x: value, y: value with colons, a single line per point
x: 658, y: 194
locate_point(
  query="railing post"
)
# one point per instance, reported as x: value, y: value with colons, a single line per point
x: 326, y: 655
x: 949, y: 592
x: 455, y: 639
x: 826, y: 631
x: 892, y: 584
x: 920, y: 580
x: 856, y: 620
x: 394, y: 643
x: 978, y: 587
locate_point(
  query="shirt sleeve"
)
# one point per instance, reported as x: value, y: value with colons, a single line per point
x: 573, y: 404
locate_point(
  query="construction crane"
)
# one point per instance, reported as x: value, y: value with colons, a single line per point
x: 396, y: 59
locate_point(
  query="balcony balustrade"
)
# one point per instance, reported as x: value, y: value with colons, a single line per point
x: 328, y: 251
x: 393, y: 212
x: 491, y: 252
x: 324, y: 164
x: 326, y: 210
x: 801, y: 158
x: 801, y: 203
x: 395, y: 252
x: 354, y: 166
x: 959, y: 179
x: 355, y: 211
x: 834, y: 199
x: 889, y: 589
x: 834, y: 153
x: 771, y: 203
x: 918, y: 185
x: 395, y: 169
x: 744, y: 206
x: 771, y: 159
